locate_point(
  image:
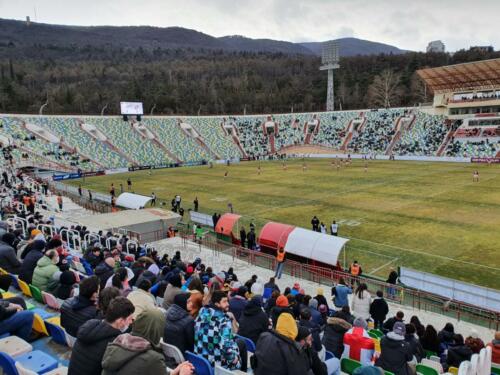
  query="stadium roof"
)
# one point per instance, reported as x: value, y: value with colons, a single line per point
x: 468, y: 76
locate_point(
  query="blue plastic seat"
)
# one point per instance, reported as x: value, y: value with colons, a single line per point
x: 248, y: 342
x: 3, y: 335
x: 37, y: 361
x: 328, y: 355
x: 7, y: 364
x: 42, y: 313
x: 57, y: 333
x: 201, y: 365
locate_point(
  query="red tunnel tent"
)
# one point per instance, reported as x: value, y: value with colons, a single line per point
x: 225, y: 226
x: 274, y: 235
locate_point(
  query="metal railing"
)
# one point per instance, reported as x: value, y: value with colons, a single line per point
x: 398, y: 294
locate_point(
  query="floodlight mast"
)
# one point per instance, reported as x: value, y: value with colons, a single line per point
x: 329, y: 62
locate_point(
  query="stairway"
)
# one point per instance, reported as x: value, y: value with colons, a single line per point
x: 271, y: 143
x: 236, y: 140
x: 446, y: 140
x: 395, y: 139
x: 308, y: 138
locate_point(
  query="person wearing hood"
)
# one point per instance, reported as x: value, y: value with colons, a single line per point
x: 333, y: 338
x: 214, y: 338
x: 142, y: 298
x: 379, y: 310
x: 457, y: 353
x: 94, y: 336
x: 358, y: 345
x: 495, y: 348
x: 278, y: 353
x: 445, y: 337
x: 46, y: 267
x: 105, y: 270
x: 81, y: 308
x: 238, y: 302
x: 139, y: 352
x: 315, y: 314
x: 253, y: 320
x: 395, y: 351
x: 179, y: 330
x: 67, y: 282
x: 8, y: 258
x: 174, y: 287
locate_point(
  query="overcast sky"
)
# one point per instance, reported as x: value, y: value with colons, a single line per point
x: 407, y: 24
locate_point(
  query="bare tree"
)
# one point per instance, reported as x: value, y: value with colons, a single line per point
x: 420, y: 94
x: 385, y: 89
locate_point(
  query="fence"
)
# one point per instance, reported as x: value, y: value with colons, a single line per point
x: 97, y: 204
x: 395, y: 293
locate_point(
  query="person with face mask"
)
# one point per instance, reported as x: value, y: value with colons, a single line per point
x: 139, y: 352
x: 45, y: 269
x: 94, y: 336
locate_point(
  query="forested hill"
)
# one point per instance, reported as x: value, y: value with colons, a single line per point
x: 81, y: 78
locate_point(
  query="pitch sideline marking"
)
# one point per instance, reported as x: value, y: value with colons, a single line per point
x: 383, y: 266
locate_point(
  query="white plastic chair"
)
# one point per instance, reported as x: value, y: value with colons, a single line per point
x: 433, y: 364
x: 51, y: 301
x: 172, y: 352
x: 15, y: 346
x: 222, y: 371
x: 474, y: 362
x: 435, y: 358
x: 70, y: 339
x: 464, y: 368
x: 24, y: 371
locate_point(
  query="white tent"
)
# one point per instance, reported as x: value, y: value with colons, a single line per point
x: 313, y: 245
x: 132, y: 201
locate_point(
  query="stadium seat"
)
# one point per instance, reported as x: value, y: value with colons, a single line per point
x: 6, y: 295
x: 172, y: 352
x: 328, y: 355
x: 24, y: 371
x: 376, y: 342
x: 429, y: 353
x: 201, y: 365
x: 453, y: 370
x: 57, y: 333
x: 222, y: 371
x: 15, y: 346
x: 426, y: 370
x: 7, y: 364
x: 348, y: 365
x: 24, y: 288
x: 435, y: 358
x: 15, y: 281
x: 36, y: 294
x: 37, y: 361
x: 249, y: 343
x: 51, y: 301
x: 433, y: 364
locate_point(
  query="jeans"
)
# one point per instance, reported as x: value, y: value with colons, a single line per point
x: 333, y: 366
x: 279, y: 270
x: 243, y: 354
x: 19, y: 324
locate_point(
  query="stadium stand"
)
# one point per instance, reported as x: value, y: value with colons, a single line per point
x: 210, y: 129
x: 328, y: 337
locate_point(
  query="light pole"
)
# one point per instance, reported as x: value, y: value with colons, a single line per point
x: 329, y: 62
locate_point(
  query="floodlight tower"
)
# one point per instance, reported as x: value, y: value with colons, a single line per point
x: 329, y: 62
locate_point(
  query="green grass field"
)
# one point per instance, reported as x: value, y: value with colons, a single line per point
x: 427, y: 216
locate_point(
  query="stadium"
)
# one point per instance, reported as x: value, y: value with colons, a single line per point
x: 401, y: 201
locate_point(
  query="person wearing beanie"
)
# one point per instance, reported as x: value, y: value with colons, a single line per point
x: 278, y: 353
x: 307, y: 321
x: 295, y: 290
x: 495, y: 348
x: 315, y: 314
x: 253, y: 320
x: 174, y: 287
x: 358, y: 344
x: 238, y: 302
x: 395, y: 351
x: 8, y: 257
x: 67, y: 282
x: 280, y: 307
x: 316, y: 366
x: 179, y: 330
x: 139, y: 352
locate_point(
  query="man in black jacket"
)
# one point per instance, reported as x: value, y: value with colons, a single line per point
x: 253, y: 320
x: 94, y: 336
x: 457, y: 352
x: 30, y: 261
x: 313, y: 327
x: 78, y: 310
x: 8, y: 258
x: 389, y: 324
x: 379, y: 310
x: 395, y: 351
x: 105, y: 270
x: 278, y: 353
x: 179, y: 330
x: 333, y: 338
x: 14, y: 320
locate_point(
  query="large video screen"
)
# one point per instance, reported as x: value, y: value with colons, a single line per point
x: 131, y: 108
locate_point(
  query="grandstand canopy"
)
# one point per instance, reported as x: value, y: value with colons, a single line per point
x: 226, y: 223
x: 467, y: 76
x: 132, y: 201
x: 274, y: 235
x: 314, y: 245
